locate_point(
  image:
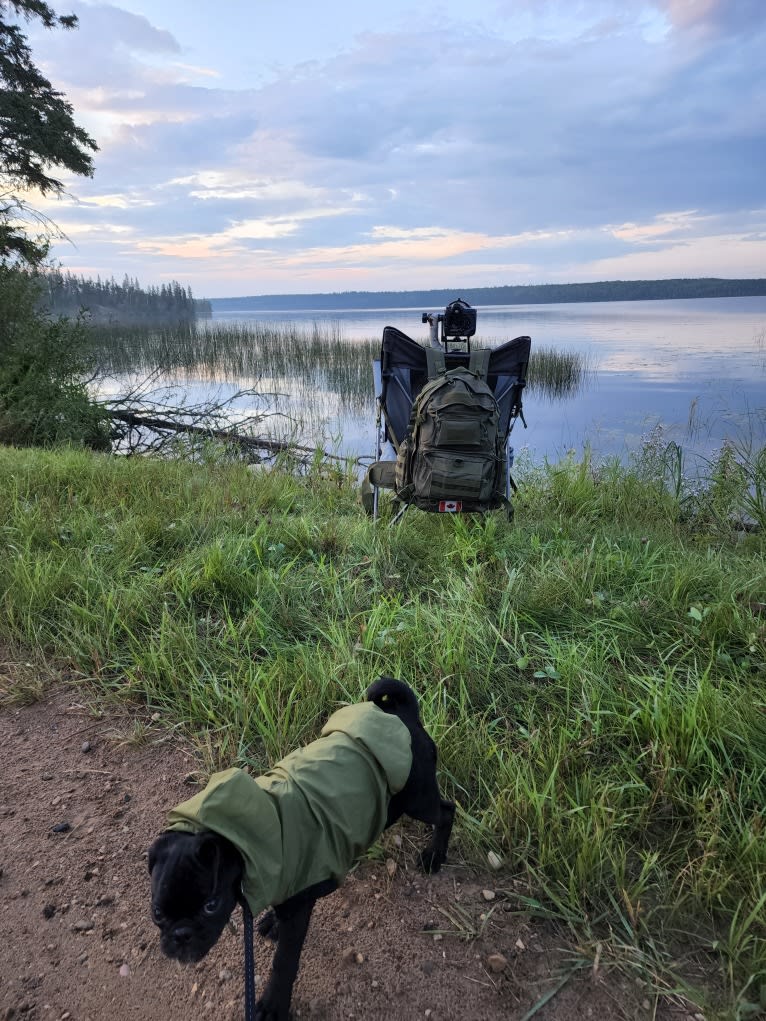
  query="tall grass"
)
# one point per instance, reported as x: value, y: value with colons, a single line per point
x: 556, y: 373
x: 595, y: 676
x: 303, y: 360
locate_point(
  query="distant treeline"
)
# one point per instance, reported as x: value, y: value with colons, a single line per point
x: 128, y: 302
x: 526, y: 294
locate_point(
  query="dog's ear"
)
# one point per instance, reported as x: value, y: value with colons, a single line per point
x: 208, y: 851
x: 157, y: 850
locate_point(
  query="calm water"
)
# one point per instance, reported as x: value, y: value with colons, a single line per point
x: 697, y: 368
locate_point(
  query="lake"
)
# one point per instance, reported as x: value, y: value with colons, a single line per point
x: 694, y: 369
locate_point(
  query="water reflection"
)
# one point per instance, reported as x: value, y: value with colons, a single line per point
x: 696, y: 366
x: 683, y: 337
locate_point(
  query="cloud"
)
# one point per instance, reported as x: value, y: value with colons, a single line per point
x: 110, y: 44
x: 708, y: 18
x: 199, y: 247
x: 425, y: 245
x: 684, y: 13
x: 556, y: 135
x: 717, y: 255
x: 667, y: 224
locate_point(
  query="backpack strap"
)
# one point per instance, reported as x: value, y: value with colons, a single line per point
x: 478, y: 363
x: 435, y: 362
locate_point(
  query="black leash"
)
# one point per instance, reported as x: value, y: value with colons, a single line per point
x: 249, y: 962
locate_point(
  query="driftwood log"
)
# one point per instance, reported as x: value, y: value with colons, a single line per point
x: 146, y: 420
x: 159, y: 424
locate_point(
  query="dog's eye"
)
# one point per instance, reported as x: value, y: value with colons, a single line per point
x: 211, y: 906
x: 157, y: 916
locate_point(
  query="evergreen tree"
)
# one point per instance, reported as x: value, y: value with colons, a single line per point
x: 64, y: 294
x: 38, y: 133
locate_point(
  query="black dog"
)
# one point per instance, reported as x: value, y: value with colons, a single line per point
x: 198, y: 877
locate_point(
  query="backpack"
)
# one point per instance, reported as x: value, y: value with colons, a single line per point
x: 453, y: 456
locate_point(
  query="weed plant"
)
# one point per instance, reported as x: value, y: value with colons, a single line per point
x: 594, y: 676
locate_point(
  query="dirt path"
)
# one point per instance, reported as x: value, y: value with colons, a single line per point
x: 77, y: 942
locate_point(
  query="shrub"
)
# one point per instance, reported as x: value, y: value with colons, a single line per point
x: 43, y: 398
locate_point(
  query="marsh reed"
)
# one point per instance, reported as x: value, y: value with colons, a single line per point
x: 303, y: 360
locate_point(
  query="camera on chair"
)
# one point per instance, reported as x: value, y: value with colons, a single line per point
x: 458, y: 321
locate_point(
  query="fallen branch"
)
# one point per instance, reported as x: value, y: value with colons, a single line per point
x: 236, y: 438
x: 149, y: 419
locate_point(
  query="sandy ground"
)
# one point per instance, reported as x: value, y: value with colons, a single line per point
x: 77, y: 941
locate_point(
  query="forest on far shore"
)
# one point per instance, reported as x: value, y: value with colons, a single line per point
x: 521, y: 294
x: 107, y: 301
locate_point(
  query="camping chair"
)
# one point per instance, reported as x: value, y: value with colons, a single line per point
x: 399, y: 376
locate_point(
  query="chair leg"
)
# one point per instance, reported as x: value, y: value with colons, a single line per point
x: 400, y: 513
x: 508, y: 466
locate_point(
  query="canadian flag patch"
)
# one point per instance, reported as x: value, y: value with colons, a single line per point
x: 450, y: 506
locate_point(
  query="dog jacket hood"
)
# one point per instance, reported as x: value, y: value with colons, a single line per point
x: 309, y: 817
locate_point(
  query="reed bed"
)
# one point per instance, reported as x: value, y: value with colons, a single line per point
x: 554, y: 373
x: 303, y: 361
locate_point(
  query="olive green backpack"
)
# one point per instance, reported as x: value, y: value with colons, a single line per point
x: 453, y: 458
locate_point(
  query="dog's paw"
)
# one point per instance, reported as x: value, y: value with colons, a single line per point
x: 268, y: 925
x: 431, y: 860
x: 267, y: 1010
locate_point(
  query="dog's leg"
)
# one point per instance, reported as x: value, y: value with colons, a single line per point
x: 293, y: 917
x: 421, y: 799
x: 289, y: 921
x: 433, y: 856
x: 268, y: 926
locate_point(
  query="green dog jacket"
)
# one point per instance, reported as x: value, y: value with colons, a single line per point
x: 310, y: 817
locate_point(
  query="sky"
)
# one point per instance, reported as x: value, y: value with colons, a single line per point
x: 264, y: 147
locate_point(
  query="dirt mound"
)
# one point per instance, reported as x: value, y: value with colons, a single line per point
x: 80, y: 801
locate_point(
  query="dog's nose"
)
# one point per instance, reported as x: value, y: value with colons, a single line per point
x: 183, y: 934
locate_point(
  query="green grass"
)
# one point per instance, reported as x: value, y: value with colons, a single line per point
x: 595, y: 675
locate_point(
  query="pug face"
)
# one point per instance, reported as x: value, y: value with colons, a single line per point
x: 196, y: 879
